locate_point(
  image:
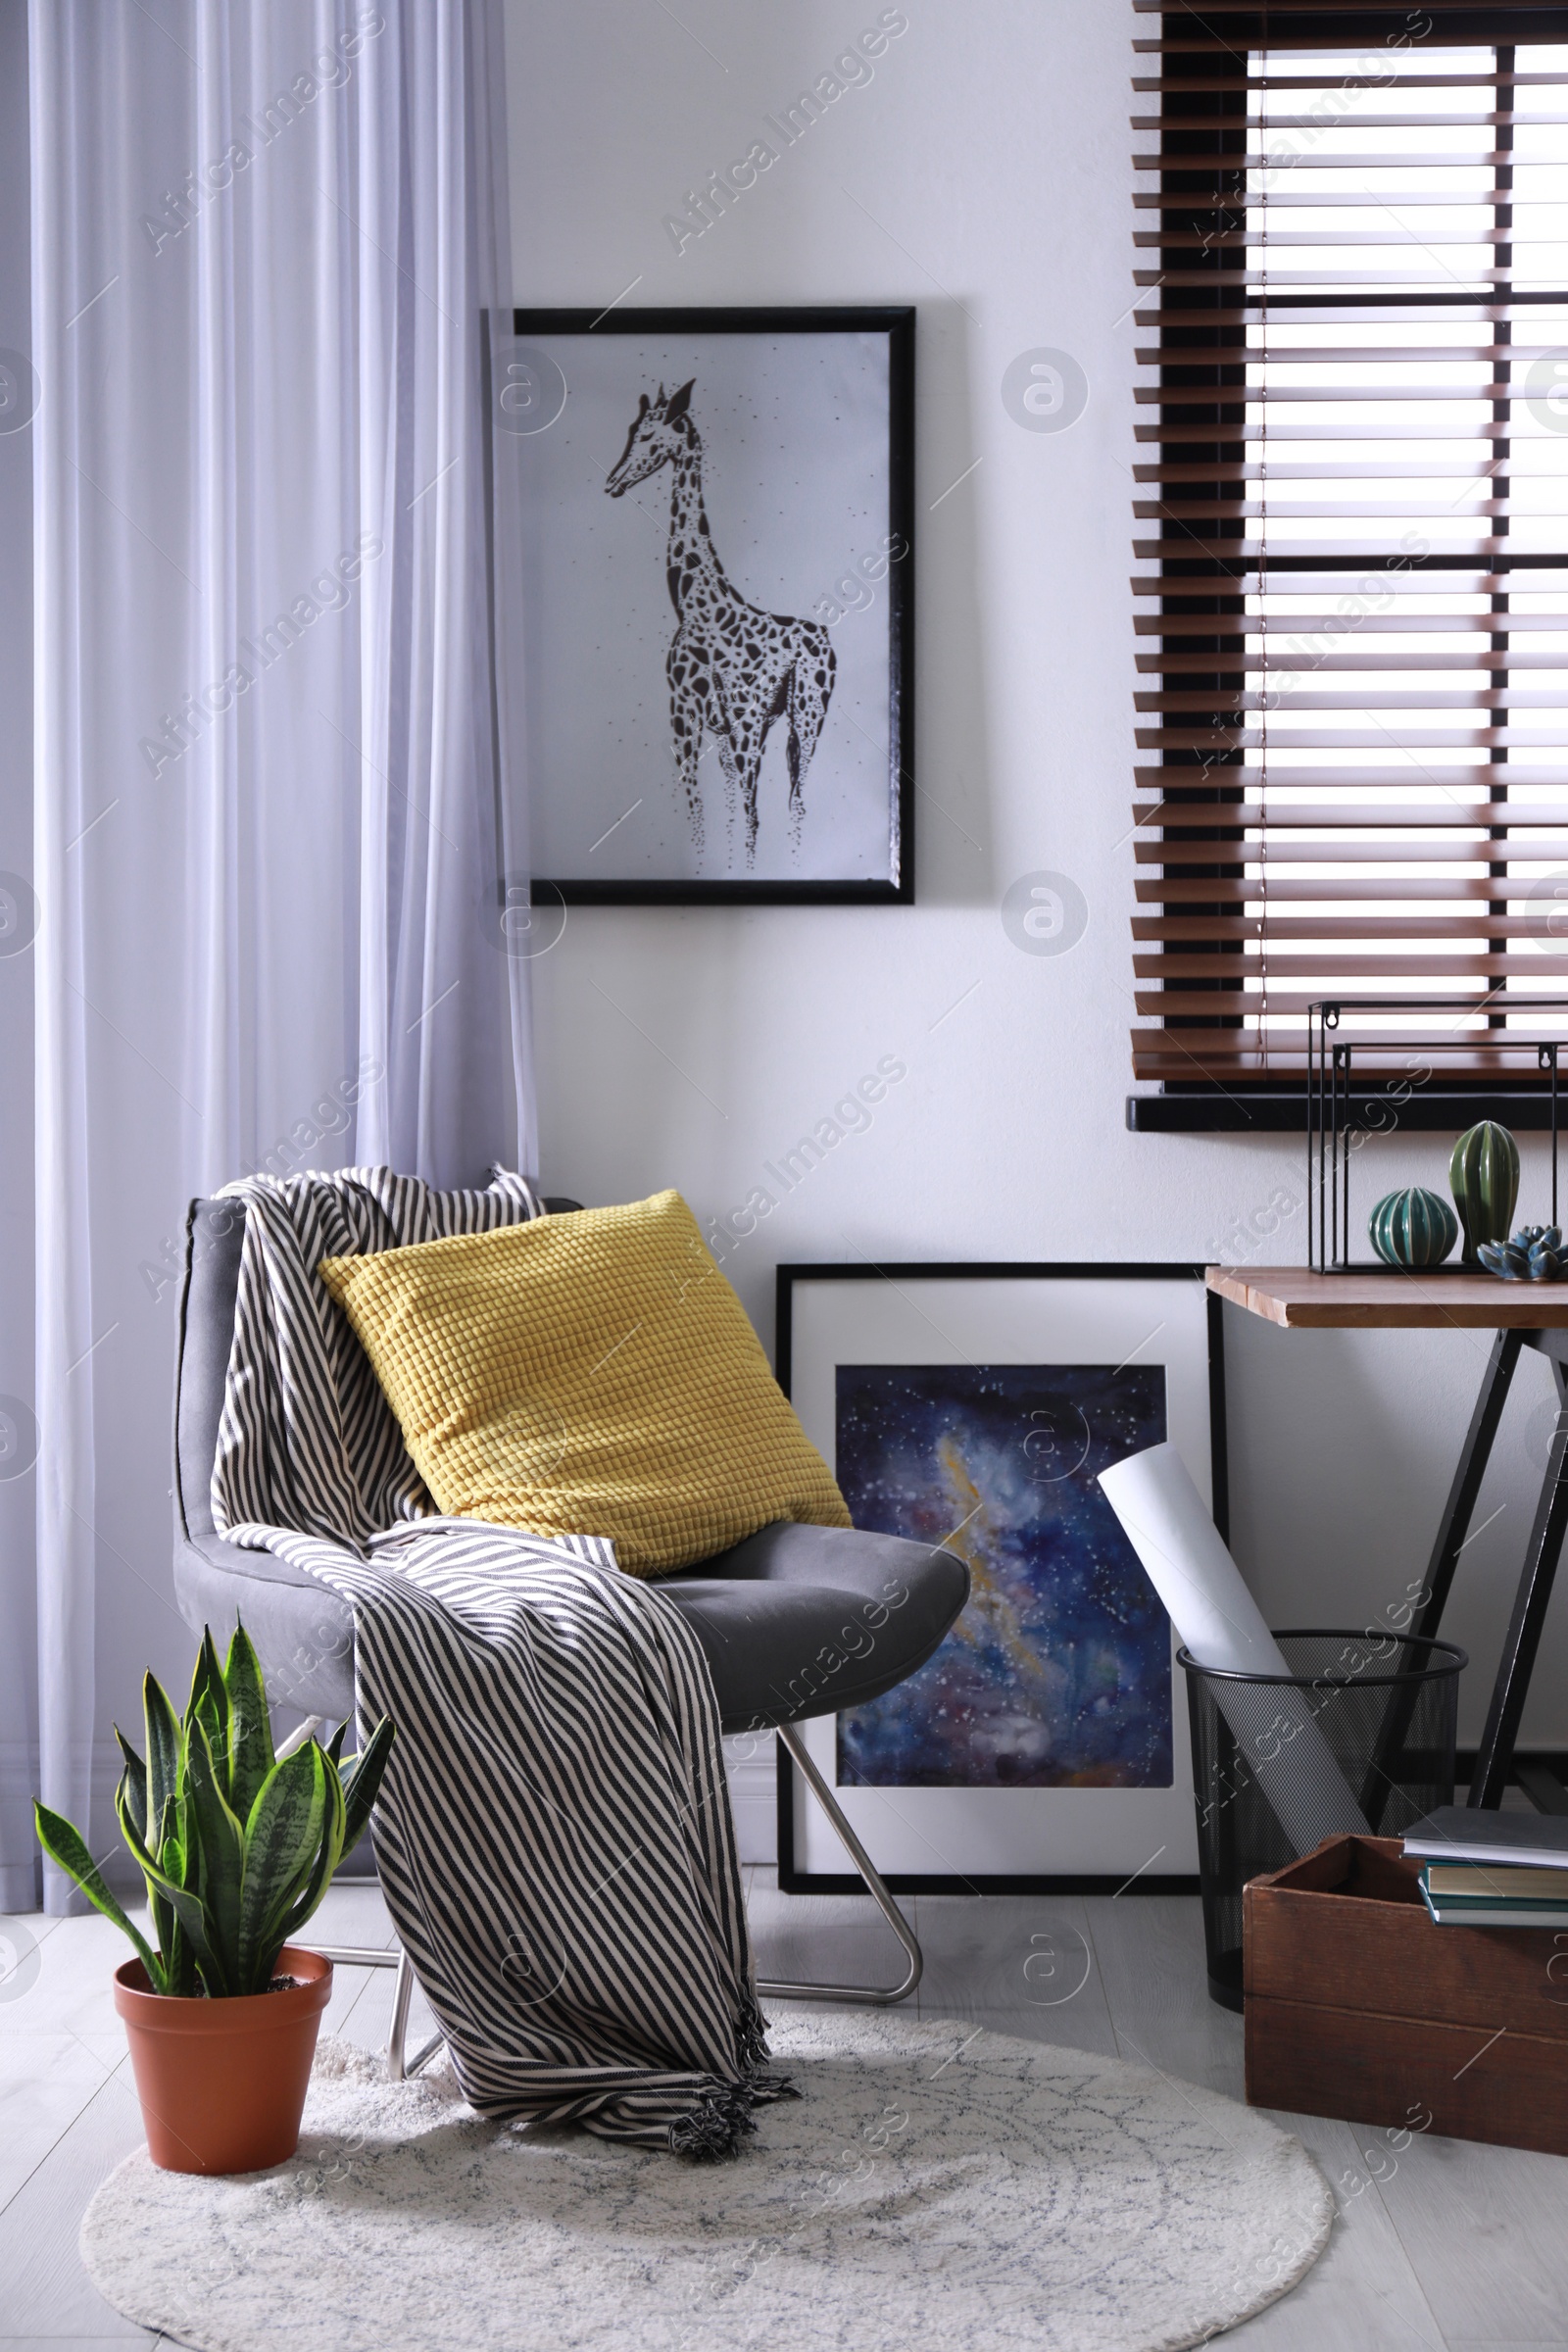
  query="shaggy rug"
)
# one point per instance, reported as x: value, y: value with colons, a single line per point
x: 924, y: 2192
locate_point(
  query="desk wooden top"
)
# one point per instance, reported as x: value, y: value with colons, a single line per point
x: 1298, y: 1299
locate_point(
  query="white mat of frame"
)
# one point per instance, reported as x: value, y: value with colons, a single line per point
x: 916, y: 2195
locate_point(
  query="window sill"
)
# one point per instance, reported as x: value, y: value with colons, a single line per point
x: 1282, y: 1110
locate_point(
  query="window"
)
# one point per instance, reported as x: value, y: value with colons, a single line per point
x: 1353, y: 532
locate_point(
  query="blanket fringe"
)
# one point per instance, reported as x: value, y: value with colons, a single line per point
x: 750, y: 2036
x: 721, y: 2117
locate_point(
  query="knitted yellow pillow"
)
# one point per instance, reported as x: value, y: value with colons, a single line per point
x: 589, y: 1374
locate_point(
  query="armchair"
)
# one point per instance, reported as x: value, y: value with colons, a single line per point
x: 765, y: 1611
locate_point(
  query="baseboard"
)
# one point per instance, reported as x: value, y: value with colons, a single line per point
x: 749, y: 1763
x: 902, y: 1882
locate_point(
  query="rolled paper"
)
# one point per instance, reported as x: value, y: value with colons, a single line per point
x: 1220, y: 1625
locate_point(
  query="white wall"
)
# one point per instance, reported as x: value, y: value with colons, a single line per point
x: 983, y: 175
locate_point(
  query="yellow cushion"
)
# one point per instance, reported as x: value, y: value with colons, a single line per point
x: 588, y: 1374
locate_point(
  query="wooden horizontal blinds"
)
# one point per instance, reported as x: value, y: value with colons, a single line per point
x: 1351, y: 533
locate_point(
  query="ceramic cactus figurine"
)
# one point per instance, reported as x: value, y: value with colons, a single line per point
x: 1413, y: 1228
x: 1484, y: 1179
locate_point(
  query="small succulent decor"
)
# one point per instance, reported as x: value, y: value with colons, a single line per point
x: 1412, y: 1228
x: 1535, y: 1254
x: 1484, y: 1179
x: 238, y: 1844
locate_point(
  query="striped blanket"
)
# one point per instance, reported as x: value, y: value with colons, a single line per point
x: 554, y: 1833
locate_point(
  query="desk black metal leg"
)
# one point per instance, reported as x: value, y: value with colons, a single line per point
x: 1496, y: 1755
x: 1453, y: 1531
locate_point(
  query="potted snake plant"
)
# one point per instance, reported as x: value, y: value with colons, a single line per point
x: 237, y: 1844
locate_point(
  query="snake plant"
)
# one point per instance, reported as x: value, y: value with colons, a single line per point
x: 237, y: 1844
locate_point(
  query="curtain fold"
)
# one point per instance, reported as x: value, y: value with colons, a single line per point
x: 271, y: 813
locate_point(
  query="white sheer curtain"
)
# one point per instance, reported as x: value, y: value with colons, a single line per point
x: 270, y: 822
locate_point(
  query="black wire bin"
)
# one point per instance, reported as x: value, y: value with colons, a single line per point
x: 1387, y: 1704
x: 1367, y: 1056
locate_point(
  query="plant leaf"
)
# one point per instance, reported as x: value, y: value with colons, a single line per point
x: 182, y: 1901
x: 180, y: 1956
x: 326, y: 1862
x: 363, y: 1779
x: 134, y: 1782
x: 172, y: 1944
x: 161, y: 1831
x: 65, y: 1848
x: 214, y: 1842
x: 130, y: 1792
x: 250, y: 1729
x: 162, y: 1756
x: 285, y: 1838
x: 208, y: 1704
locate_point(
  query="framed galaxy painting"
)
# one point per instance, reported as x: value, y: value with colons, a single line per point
x: 1043, y: 1747
x: 704, y: 593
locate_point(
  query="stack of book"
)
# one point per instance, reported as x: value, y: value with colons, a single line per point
x: 1493, y: 1869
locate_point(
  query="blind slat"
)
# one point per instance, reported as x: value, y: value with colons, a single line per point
x: 1453, y: 780
x: 1350, y: 739
x: 1272, y: 699
x: 1210, y: 161
x: 1342, y: 818
x: 1182, y: 890
x: 1342, y: 665
x: 1245, y: 968
x: 1229, y: 627
x: 1467, y: 121
x: 1189, y: 85
x: 1223, y: 929
x: 1443, y: 850
x: 1409, y: 582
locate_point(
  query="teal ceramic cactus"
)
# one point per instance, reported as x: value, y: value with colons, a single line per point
x: 1484, y: 1179
x: 1413, y: 1228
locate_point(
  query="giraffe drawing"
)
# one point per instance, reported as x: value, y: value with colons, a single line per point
x: 733, y: 669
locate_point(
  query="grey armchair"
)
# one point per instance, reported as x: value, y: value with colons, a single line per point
x: 767, y: 1613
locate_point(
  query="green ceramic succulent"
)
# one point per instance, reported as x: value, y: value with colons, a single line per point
x: 236, y: 1843
x: 1484, y: 1178
x: 1413, y: 1228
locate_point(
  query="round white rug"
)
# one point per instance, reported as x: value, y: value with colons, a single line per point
x: 918, y: 2194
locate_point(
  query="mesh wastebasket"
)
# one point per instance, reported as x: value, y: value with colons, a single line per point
x: 1387, y: 1706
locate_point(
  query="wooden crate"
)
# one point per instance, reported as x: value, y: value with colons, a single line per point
x: 1359, y: 2005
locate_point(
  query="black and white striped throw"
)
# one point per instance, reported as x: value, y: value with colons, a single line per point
x: 554, y: 1831
x: 308, y: 1441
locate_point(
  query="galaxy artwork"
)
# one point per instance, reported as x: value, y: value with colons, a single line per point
x: 1058, y: 1674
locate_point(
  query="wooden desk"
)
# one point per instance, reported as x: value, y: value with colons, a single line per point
x: 1299, y: 1300
x: 1520, y: 1315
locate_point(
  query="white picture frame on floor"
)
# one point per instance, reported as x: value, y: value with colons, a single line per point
x: 1044, y: 1747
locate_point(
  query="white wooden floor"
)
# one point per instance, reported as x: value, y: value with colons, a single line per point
x: 1442, y: 2243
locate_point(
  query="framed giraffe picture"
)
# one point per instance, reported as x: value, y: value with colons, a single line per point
x: 703, y: 594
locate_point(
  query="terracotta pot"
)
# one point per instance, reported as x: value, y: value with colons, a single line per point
x: 221, y: 2083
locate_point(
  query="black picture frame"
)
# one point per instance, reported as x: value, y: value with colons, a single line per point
x: 792, y: 1877
x: 897, y: 322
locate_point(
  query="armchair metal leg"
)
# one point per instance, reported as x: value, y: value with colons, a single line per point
x: 873, y: 1994
x: 399, y: 2068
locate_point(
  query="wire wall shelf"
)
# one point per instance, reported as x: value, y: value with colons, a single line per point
x: 1349, y: 1100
